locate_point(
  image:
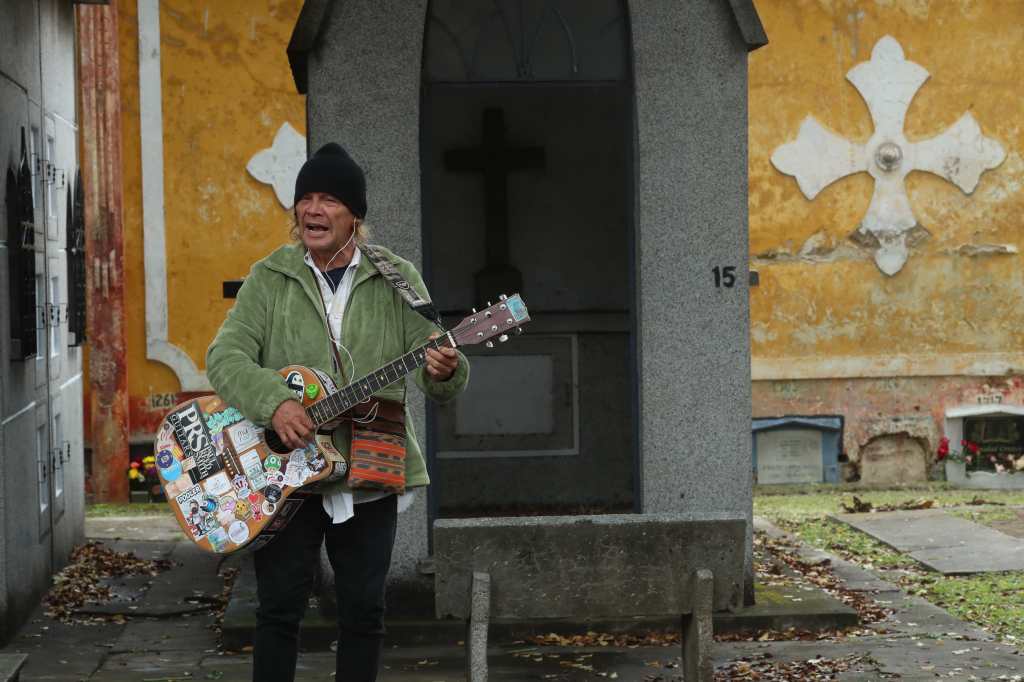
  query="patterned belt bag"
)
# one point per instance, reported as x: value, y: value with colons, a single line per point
x: 378, y: 450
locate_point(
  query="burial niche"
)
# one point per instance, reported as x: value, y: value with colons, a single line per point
x: 527, y: 149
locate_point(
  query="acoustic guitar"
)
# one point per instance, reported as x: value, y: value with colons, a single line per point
x: 233, y: 484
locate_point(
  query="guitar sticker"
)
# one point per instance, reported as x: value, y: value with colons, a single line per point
x: 243, y: 435
x: 195, y: 441
x: 218, y: 539
x: 189, y: 502
x: 238, y: 532
x: 218, y: 484
x: 295, y: 382
x: 218, y: 421
x: 325, y: 381
x: 170, y: 468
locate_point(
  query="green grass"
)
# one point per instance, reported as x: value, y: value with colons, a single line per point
x: 986, y: 515
x: 994, y: 601
x: 849, y: 543
x: 807, y: 502
x: 92, y: 510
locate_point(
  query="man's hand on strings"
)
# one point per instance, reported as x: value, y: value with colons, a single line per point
x: 292, y: 424
x: 442, y: 363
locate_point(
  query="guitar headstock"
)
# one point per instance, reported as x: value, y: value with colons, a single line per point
x: 498, y: 320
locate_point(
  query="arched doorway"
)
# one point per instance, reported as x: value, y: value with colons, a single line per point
x: 526, y: 141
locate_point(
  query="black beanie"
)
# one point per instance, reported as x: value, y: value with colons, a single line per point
x: 332, y: 171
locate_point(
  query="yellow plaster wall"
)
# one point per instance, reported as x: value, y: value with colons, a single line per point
x: 226, y: 88
x: 821, y: 300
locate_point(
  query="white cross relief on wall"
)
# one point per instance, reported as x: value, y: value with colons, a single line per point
x: 279, y: 165
x: 888, y: 83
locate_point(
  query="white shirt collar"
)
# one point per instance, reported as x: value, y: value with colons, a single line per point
x: 356, y: 257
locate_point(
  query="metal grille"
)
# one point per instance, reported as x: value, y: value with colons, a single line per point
x: 526, y: 41
x: 76, y: 262
x: 21, y: 258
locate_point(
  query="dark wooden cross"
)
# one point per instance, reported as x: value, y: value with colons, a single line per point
x: 495, y: 160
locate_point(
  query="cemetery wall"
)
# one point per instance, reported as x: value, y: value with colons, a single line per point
x: 831, y: 331
x: 225, y: 89
x: 41, y: 472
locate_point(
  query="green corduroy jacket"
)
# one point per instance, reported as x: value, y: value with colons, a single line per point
x: 278, y: 320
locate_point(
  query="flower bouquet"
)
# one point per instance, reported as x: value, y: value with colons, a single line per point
x: 975, y: 460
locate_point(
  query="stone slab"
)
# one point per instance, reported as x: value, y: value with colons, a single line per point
x: 943, y: 543
x: 151, y: 527
x: 587, y: 566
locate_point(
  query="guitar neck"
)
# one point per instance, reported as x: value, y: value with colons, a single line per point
x: 336, y: 404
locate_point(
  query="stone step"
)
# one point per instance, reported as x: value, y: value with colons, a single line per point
x: 10, y: 666
x: 778, y: 608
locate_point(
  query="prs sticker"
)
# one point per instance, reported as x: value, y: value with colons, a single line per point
x: 296, y: 383
x: 243, y: 435
x: 194, y: 439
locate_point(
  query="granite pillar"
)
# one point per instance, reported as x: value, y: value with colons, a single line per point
x: 693, y: 327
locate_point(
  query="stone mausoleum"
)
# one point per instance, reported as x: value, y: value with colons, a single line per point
x: 591, y: 154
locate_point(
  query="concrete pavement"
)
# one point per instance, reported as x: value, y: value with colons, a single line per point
x: 167, y: 632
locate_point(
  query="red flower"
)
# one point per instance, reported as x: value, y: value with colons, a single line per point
x: 972, y: 448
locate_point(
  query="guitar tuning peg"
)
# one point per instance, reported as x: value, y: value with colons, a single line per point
x: 474, y: 310
x: 503, y: 338
x: 488, y: 304
x: 489, y: 344
x: 519, y: 330
x: 503, y: 297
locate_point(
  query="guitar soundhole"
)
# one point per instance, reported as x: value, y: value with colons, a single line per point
x: 275, y: 443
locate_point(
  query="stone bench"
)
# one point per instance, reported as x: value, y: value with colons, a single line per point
x: 590, y: 567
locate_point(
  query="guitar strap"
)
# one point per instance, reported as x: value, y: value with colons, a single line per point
x: 404, y: 289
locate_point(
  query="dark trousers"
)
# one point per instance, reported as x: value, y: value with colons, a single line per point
x: 360, y: 552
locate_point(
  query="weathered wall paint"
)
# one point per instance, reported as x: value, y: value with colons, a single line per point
x: 226, y: 89
x: 821, y: 303
x: 99, y: 93
x: 830, y: 333
x: 914, y: 406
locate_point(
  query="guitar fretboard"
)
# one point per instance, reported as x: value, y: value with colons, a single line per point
x: 334, y: 405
